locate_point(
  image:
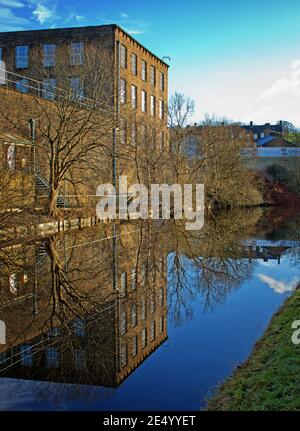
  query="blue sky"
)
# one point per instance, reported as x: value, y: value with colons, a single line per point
x: 236, y: 58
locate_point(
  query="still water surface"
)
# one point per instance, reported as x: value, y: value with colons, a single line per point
x: 139, y: 316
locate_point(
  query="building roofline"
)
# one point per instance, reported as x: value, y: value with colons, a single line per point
x: 116, y: 26
x: 112, y: 26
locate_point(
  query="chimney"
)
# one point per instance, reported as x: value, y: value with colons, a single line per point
x: 251, y: 123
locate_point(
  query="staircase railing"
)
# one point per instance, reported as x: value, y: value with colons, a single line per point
x: 42, y: 182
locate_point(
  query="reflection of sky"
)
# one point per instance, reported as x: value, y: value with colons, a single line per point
x: 281, y: 278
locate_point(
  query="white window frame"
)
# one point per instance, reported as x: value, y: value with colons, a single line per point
x: 21, y: 56
x: 123, y: 91
x: 22, y: 85
x: 144, y: 101
x: 135, y: 345
x: 153, y: 76
x: 152, y: 105
x: 49, y: 83
x: 123, y: 56
x: 162, y: 81
x: 144, y: 337
x: 152, y: 330
x: 144, y: 70
x: 134, y: 96
x: 49, y: 53
x: 161, y: 109
x: 77, y: 53
x: 134, y: 61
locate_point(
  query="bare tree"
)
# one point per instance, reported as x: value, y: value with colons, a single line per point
x: 74, y: 124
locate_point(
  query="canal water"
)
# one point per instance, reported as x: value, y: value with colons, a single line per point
x: 140, y: 316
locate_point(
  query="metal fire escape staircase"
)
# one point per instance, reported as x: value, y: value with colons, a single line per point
x: 43, y: 189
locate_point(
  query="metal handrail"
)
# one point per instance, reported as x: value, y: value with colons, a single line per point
x: 82, y: 100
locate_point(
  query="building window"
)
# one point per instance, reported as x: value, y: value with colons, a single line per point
x: 123, y: 322
x: 144, y: 133
x: 162, y: 141
x: 13, y: 278
x: 152, y: 330
x: 134, y: 64
x: 144, y: 337
x: 144, y: 101
x: 152, y: 106
x: 262, y: 135
x: 133, y: 142
x: 76, y: 88
x: 152, y: 303
x: 161, y: 297
x: 161, y: 109
x: 11, y: 164
x: 123, y: 354
x: 152, y: 76
x: 143, y: 309
x: 21, y: 57
x: 49, y: 55
x: 123, y: 56
x: 26, y: 355
x: 52, y: 357
x: 153, y: 139
x: 80, y: 359
x: 123, y: 139
x: 48, y: 91
x: 133, y: 315
x: 161, y: 81
x: 255, y: 136
x: 78, y: 328
x: 144, y: 273
x: 133, y: 277
x: 161, y: 324
x: 22, y: 85
x: 134, y: 96
x: 122, y: 91
x: 123, y: 290
x: 77, y: 51
x: 3, y: 358
x: 135, y: 345
x: 144, y: 70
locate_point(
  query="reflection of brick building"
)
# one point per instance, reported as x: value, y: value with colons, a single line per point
x: 116, y: 332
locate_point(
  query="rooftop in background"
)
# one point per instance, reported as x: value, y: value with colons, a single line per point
x: 266, y: 128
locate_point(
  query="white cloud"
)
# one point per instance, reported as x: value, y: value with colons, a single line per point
x: 44, y: 14
x: 285, y: 85
x: 74, y: 17
x: 134, y: 32
x: 279, y: 286
x: 12, y: 3
x: 10, y: 22
x: 261, y: 114
x: 124, y: 15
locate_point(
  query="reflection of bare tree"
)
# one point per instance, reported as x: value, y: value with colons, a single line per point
x: 209, y: 264
x: 99, y: 297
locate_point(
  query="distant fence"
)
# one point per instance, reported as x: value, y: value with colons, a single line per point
x: 278, y: 152
x: 272, y: 152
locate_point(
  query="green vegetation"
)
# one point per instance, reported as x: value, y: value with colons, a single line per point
x: 289, y: 176
x: 270, y: 378
x: 293, y: 137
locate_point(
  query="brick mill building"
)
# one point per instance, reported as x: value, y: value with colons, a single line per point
x: 139, y: 78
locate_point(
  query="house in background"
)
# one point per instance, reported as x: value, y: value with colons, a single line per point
x: 267, y: 135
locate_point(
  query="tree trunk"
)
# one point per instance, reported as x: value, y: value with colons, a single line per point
x: 52, y: 207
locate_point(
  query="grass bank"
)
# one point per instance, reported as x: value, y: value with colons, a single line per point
x: 270, y: 378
